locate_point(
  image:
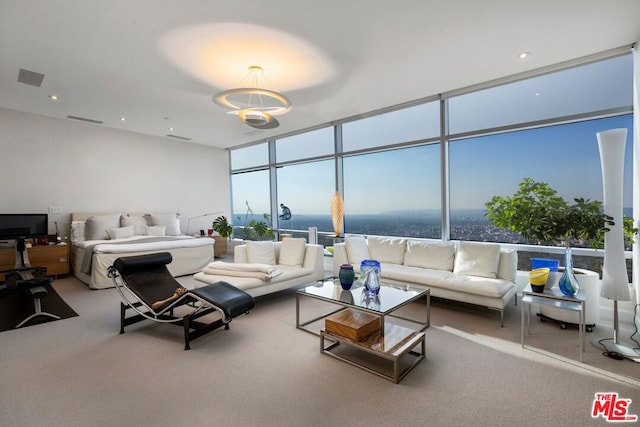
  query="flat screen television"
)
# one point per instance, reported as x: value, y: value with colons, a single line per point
x: 23, y: 226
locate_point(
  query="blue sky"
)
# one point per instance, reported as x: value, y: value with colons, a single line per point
x: 564, y: 156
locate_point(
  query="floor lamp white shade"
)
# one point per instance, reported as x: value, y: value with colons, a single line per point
x: 615, y: 282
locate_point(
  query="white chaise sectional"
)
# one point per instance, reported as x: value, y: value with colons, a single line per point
x: 296, y: 262
x: 478, y: 273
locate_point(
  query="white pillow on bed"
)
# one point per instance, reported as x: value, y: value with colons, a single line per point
x: 97, y: 226
x: 120, y: 232
x: 170, y: 221
x: 138, y: 222
x: 77, y: 231
x: 155, y: 230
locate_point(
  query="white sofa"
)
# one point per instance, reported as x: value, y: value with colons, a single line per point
x: 478, y: 273
x: 298, y: 262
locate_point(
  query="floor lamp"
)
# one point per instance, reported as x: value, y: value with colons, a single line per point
x: 615, y: 283
x: 199, y: 216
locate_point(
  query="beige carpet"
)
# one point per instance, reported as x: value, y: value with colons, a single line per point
x: 264, y: 372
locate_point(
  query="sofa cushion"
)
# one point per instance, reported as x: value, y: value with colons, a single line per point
x: 477, y: 259
x: 508, y: 265
x: 386, y: 249
x: 357, y: 250
x: 436, y: 256
x: 292, y: 251
x: 261, y: 252
x: 473, y: 285
x: 245, y: 283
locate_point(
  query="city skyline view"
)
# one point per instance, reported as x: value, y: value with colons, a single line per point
x: 480, y: 168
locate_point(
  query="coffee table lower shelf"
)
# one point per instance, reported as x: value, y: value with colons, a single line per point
x: 396, y: 346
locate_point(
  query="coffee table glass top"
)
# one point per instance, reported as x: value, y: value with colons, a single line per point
x: 389, y: 299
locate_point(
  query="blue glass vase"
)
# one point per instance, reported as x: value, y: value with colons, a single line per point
x: 568, y: 283
x: 370, y: 273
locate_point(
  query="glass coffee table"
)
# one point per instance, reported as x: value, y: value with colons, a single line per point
x: 395, y: 341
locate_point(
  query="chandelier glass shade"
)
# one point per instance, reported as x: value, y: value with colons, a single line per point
x: 255, y: 106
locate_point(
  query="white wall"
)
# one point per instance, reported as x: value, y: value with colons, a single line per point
x: 80, y: 167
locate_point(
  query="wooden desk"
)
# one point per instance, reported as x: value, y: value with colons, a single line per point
x: 54, y: 257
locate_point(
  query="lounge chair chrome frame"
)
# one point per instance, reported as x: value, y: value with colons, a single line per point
x: 198, y: 302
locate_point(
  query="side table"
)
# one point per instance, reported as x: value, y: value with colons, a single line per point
x: 553, y: 298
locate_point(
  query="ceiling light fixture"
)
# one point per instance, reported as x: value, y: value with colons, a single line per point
x: 524, y: 55
x: 53, y: 97
x: 255, y: 106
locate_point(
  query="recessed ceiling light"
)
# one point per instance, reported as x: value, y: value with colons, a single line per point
x: 170, y: 128
x: 53, y: 97
x: 524, y: 55
x: 122, y: 119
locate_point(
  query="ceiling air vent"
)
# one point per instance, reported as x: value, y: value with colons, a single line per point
x: 83, y: 119
x: 181, y: 138
x: 30, y: 77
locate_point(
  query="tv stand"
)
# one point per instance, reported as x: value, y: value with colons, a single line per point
x: 55, y: 258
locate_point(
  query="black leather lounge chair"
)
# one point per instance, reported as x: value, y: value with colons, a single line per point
x: 147, y: 287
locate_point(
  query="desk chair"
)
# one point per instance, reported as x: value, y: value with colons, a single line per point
x: 34, y: 279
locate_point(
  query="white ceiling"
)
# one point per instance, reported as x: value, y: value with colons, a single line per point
x: 158, y: 62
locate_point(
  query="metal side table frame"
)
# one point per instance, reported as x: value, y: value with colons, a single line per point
x: 553, y: 298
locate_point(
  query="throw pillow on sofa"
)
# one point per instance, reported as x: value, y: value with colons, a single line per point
x: 477, y: 259
x: 292, y: 251
x: 384, y: 249
x: 357, y: 250
x: 508, y: 265
x: 431, y: 255
x: 261, y: 252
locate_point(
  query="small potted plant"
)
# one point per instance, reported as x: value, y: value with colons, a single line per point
x: 225, y: 230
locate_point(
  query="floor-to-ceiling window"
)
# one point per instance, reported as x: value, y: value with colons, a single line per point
x: 306, y: 190
x: 409, y: 171
x: 542, y: 128
x: 250, y: 187
x: 394, y: 193
x: 391, y: 173
x: 305, y: 177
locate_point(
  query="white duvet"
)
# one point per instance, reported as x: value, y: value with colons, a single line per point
x: 112, y: 246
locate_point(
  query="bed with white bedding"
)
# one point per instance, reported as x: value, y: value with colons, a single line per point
x: 97, y: 240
